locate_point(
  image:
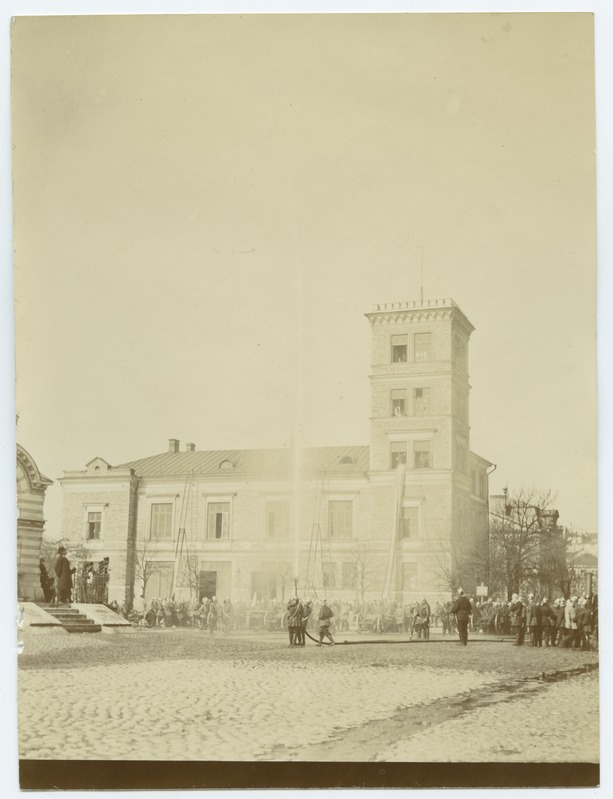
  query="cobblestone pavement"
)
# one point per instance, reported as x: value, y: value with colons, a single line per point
x: 182, y: 695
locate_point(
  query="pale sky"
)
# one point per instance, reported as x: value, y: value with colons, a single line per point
x: 206, y: 207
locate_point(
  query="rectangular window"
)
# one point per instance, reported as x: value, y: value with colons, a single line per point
x: 409, y: 576
x: 218, y: 520
x: 350, y: 575
x: 422, y: 451
x: 423, y: 346
x: 340, y: 518
x: 399, y: 402
x: 408, y: 523
x: 277, y: 519
x: 94, y: 523
x: 398, y: 453
x: 329, y: 575
x: 421, y: 401
x: 399, y: 348
x: 161, y: 521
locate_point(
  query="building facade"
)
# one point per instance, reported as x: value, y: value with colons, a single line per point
x: 398, y: 518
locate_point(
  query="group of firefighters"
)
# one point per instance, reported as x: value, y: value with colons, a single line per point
x: 298, y: 615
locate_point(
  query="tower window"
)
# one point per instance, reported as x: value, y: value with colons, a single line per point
x: 423, y: 346
x: 399, y: 348
x: 399, y: 402
x: 422, y: 453
x: 398, y: 453
x: 421, y: 401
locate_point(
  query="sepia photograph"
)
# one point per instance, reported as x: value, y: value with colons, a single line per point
x: 306, y: 400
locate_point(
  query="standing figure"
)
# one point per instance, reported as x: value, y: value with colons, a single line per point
x: 571, y: 641
x: 533, y: 621
x: 425, y: 613
x: 204, y: 612
x: 213, y: 615
x: 548, y: 628
x: 462, y: 610
x: 325, y: 619
x: 307, y: 610
x: 559, y: 633
x: 64, y: 574
x: 227, y: 616
x: 46, y: 582
x: 518, y: 619
x: 294, y: 621
x: 584, y: 623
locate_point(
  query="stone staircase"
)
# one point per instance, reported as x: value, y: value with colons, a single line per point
x: 71, y: 619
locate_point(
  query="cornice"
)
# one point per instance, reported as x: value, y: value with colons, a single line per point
x: 418, y: 312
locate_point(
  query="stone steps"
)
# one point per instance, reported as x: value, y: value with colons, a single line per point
x: 71, y: 619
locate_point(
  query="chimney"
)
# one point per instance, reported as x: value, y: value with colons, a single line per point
x: 189, y: 447
x: 173, y: 445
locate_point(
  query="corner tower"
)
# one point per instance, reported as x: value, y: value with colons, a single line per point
x: 419, y: 426
x: 419, y: 386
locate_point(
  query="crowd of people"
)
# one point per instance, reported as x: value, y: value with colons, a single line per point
x: 570, y: 623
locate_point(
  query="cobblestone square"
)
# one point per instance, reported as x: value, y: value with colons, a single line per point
x: 180, y: 694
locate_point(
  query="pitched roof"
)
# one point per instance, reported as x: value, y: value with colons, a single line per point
x: 275, y: 463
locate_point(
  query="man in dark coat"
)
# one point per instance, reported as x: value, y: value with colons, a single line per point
x: 534, y: 621
x: 462, y: 610
x: 64, y: 574
x: 518, y: 619
x: 548, y: 621
x: 307, y: 610
x: 325, y: 620
x: 294, y: 621
x: 46, y: 582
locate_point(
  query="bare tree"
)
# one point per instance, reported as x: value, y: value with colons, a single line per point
x: 367, y: 569
x: 456, y: 562
x: 561, y: 549
x: 189, y: 575
x: 518, y: 532
x: 144, y: 567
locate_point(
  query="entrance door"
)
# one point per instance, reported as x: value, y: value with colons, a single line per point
x: 207, y: 585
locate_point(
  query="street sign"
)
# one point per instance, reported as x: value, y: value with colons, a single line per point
x: 482, y: 590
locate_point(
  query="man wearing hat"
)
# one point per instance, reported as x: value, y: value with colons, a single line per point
x: 462, y: 610
x: 325, y: 619
x: 518, y: 619
x: 64, y: 574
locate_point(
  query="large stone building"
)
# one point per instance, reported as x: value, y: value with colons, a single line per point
x: 395, y: 518
x: 31, y: 487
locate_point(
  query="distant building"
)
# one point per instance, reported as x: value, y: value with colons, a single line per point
x: 31, y: 487
x: 383, y: 520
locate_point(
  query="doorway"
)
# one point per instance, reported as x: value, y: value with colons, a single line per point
x: 207, y: 585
